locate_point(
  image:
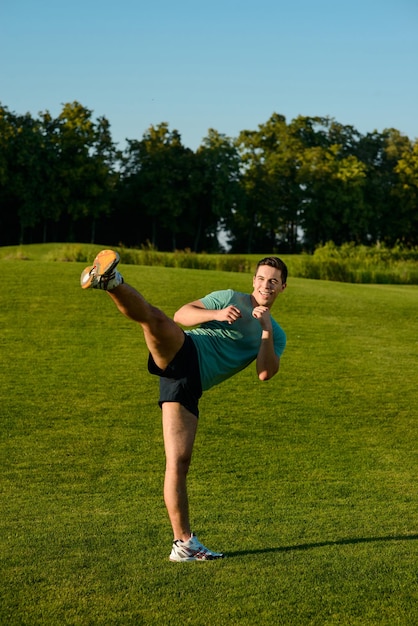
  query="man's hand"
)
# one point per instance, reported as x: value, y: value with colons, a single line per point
x: 230, y: 314
x: 262, y: 314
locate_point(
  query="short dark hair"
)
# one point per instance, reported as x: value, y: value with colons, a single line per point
x: 274, y: 261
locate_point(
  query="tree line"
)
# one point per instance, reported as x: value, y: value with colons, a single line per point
x: 285, y: 186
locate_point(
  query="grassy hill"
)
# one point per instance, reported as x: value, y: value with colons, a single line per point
x: 307, y: 482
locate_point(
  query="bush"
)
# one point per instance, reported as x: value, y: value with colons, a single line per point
x: 361, y: 264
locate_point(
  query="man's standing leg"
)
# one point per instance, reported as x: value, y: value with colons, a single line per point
x: 179, y: 430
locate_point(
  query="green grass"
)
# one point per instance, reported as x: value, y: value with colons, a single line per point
x: 308, y: 482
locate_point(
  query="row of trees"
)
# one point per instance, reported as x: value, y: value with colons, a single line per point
x: 280, y: 187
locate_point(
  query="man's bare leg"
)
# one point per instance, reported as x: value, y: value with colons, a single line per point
x: 163, y: 336
x: 179, y: 430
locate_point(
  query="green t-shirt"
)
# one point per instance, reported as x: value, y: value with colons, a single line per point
x: 225, y: 349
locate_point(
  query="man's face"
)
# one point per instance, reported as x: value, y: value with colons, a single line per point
x: 267, y: 284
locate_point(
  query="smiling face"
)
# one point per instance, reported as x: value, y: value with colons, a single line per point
x: 267, y: 284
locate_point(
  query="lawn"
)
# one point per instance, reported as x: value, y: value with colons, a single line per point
x: 307, y: 482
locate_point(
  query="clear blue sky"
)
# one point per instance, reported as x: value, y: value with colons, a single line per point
x: 222, y: 64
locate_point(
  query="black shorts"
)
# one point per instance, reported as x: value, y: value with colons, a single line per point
x: 180, y: 381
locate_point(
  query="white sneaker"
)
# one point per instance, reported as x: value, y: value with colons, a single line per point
x: 102, y: 274
x: 192, y: 550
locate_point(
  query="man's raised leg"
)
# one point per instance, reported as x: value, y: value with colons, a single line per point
x: 163, y: 336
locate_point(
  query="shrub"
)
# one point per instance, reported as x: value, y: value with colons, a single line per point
x: 361, y: 264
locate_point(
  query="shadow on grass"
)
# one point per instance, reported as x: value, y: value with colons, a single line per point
x: 323, y: 544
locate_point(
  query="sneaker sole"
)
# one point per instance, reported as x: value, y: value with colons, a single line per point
x: 194, y: 558
x: 104, y: 263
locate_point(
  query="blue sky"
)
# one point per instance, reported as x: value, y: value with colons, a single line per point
x: 222, y: 64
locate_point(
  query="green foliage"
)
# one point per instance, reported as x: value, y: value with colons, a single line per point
x: 308, y: 482
x: 285, y: 186
x: 54, y: 171
x: 361, y: 264
x: 156, y: 170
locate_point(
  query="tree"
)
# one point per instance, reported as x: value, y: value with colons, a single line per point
x: 215, y: 189
x: 156, y: 176
x: 21, y: 166
x: 406, y: 192
x: 9, y: 225
x: 53, y: 169
x: 87, y: 155
x: 333, y: 205
x: 270, y: 162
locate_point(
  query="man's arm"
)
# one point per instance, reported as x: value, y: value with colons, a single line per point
x: 267, y: 362
x: 195, y: 313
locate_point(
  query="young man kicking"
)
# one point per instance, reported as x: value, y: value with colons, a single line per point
x: 233, y: 330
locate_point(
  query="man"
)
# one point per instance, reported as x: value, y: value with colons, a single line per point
x: 233, y: 329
